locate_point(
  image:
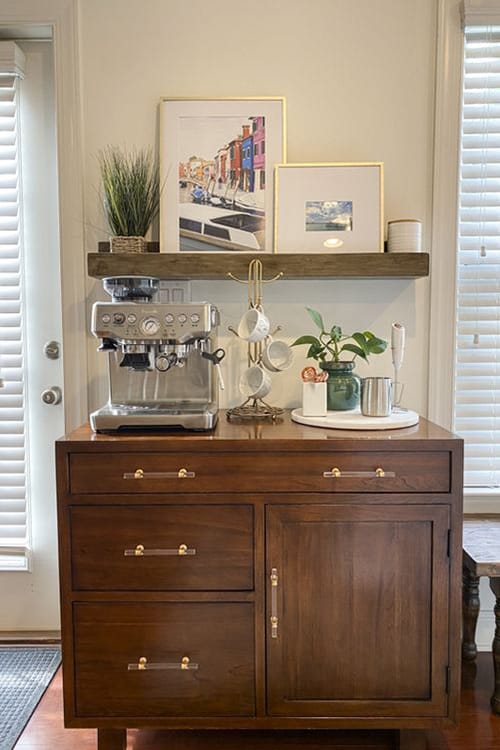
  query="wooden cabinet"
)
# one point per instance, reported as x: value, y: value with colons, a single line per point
x: 265, y: 576
x: 358, y: 591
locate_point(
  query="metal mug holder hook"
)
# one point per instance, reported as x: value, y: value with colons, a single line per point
x: 253, y: 408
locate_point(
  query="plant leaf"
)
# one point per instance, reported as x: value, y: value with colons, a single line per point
x: 316, y: 316
x: 307, y: 340
x: 376, y: 345
x: 361, y: 341
x: 355, y: 350
x: 315, y: 352
x: 336, y: 333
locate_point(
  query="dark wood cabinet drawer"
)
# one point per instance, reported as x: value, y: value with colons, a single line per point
x: 402, y: 471
x: 162, y: 548
x: 214, y: 642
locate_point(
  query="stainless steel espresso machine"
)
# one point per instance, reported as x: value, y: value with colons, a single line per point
x: 163, y: 359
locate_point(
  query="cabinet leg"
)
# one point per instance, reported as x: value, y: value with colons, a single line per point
x: 495, y: 698
x: 111, y: 739
x: 470, y: 612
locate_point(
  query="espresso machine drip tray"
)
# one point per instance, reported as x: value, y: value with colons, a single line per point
x: 112, y: 419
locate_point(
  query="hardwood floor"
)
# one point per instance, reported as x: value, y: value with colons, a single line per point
x: 479, y: 729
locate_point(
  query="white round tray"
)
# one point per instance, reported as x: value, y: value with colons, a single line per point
x: 354, y: 420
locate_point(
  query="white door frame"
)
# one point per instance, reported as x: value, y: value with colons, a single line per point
x: 63, y: 16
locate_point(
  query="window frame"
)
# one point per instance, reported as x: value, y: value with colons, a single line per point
x: 446, y: 172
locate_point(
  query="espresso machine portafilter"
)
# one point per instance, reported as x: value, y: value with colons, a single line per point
x: 163, y: 359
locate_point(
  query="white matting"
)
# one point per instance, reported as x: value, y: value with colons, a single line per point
x: 354, y: 420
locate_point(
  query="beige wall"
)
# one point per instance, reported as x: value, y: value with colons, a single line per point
x: 358, y: 76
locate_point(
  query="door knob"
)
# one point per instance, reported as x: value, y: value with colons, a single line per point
x: 52, y: 395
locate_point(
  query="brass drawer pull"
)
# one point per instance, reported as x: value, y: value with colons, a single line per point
x: 141, y: 551
x: 184, y: 664
x: 336, y: 473
x: 141, y: 474
x: 274, y: 603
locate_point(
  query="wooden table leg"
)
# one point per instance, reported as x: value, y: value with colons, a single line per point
x: 111, y: 739
x: 470, y: 612
x: 495, y: 698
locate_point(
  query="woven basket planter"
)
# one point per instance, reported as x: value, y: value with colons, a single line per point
x: 128, y: 244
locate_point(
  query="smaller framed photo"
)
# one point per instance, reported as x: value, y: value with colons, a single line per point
x: 329, y: 207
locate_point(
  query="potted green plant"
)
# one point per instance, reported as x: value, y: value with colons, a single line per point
x: 131, y: 195
x: 328, y: 348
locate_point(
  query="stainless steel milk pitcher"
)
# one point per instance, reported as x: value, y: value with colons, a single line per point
x: 376, y: 397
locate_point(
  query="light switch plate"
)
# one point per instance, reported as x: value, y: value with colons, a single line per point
x: 174, y: 291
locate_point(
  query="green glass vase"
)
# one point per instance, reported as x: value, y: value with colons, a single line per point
x: 343, y: 387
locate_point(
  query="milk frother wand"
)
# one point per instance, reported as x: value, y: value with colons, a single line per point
x: 397, y: 349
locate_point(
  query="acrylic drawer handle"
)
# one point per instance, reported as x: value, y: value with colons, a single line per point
x: 141, y: 551
x: 141, y: 474
x: 184, y: 664
x: 379, y: 473
x: 274, y: 603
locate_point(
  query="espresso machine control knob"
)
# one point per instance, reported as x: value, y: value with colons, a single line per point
x: 162, y: 363
x: 119, y: 318
x: 150, y: 326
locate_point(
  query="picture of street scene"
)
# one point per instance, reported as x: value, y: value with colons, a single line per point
x: 328, y: 216
x: 222, y: 183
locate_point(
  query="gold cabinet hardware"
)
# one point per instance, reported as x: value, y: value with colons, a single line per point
x: 141, y: 474
x: 274, y: 602
x: 274, y: 626
x: 141, y: 551
x: 142, y: 665
x: 377, y: 473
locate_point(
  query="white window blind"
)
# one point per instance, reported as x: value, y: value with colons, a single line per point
x: 477, y: 381
x: 13, y: 492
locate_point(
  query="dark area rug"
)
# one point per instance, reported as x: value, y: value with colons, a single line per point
x: 25, y: 672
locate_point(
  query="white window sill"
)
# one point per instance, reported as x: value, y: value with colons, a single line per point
x: 482, y: 500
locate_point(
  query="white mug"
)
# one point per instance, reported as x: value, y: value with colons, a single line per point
x: 254, y: 325
x: 255, y: 382
x: 277, y: 356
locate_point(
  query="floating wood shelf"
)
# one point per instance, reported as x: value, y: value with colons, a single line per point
x: 217, y: 265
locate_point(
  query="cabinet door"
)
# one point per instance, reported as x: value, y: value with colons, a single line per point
x: 361, y: 599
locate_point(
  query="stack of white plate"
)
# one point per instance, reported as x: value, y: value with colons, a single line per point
x: 404, y: 236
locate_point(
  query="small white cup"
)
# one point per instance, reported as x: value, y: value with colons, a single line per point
x: 277, y: 356
x: 254, y: 325
x: 314, y: 399
x: 255, y: 382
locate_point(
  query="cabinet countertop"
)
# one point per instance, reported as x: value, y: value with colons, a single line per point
x: 291, y: 436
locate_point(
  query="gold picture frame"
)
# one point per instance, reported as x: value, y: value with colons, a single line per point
x: 217, y: 158
x: 329, y: 207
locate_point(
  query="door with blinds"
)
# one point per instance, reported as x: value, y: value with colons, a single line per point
x: 30, y: 336
x: 477, y: 381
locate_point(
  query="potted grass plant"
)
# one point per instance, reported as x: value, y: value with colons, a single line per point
x: 131, y: 195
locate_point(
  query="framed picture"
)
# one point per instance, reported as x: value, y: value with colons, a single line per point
x: 325, y: 208
x: 217, y: 159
